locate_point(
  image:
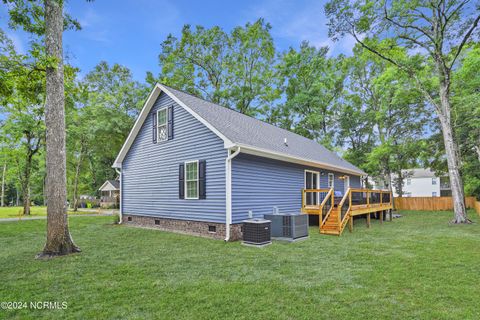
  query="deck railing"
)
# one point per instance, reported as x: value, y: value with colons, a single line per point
x: 318, y: 202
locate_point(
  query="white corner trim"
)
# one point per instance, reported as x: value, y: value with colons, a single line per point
x: 144, y: 114
x: 120, y: 206
x: 288, y: 158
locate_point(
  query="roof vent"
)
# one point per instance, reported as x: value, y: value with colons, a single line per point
x: 285, y: 141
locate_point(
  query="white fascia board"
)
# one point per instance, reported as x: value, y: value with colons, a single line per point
x: 146, y: 110
x: 288, y: 158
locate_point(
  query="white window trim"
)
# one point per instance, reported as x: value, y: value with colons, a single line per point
x: 333, y: 180
x: 165, y: 124
x: 185, y: 178
x: 346, y: 183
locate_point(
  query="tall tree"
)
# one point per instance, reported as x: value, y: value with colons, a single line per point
x: 314, y: 84
x: 466, y: 117
x: 47, y: 21
x: 106, y: 105
x: 59, y: 241
x: 430, y: 30
x: 22, y: 106
x: 232, y: 69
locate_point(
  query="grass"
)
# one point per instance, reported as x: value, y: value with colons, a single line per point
x: 35, y: 211
x: 416, y: 267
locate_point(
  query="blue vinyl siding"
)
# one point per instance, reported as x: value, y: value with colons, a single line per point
x: 259, y: 184
x: 150, y: 171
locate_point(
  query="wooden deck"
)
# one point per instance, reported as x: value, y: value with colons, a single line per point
x: 335, y: 213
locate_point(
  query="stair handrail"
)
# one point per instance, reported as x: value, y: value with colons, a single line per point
x: 348, y: 195
x: 328, y: 197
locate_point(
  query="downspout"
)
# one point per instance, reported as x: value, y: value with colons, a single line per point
x: 228, y: 191
x: 119, y: 172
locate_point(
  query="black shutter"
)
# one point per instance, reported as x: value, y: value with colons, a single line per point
x: 154, y: 131
x: 202, y: 190
x: 181, y: 181
x: 170, y: 123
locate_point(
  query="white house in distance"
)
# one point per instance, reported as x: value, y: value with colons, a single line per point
x: 420, y: 183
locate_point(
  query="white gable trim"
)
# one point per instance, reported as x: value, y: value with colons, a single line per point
x: 144, y: 113
x: 106, y: 184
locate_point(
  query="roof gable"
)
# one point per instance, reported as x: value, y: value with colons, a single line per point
x: 251, y: 135
x: 157, y: 90
x: 110, y: 185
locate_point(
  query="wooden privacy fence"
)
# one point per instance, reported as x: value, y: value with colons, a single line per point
x: 431, y: 203
x: 477, y: 206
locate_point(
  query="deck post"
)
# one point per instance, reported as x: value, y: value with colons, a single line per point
x: 381, y: 216
x: 303, y: 200
x: 350, y: 224
x: 368, y: 220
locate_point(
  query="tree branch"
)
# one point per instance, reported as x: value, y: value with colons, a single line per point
x: 464, y: 41
x: 405, y: 26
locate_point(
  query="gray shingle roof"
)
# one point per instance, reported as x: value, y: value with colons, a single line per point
x: 245, y: 130
x: 115, y: 183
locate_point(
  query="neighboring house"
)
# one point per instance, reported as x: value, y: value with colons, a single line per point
x: 192, y: 166
x: 110, y: 194
x: 87, y: 197
x: 423, y: 183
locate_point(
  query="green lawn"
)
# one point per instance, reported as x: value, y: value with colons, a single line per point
x: 417, y: 267
x: 16, y: 212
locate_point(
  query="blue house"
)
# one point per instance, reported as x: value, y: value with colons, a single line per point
x: 191, y: 166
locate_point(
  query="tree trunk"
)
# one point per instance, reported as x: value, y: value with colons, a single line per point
x: 75, y: 183
x: 59, y: 241
x: 399, y: 183
x: 25, y: 183
x: 26, y: 200
x: 458, y: 195
x: 44, y: 190
x: 2, y: 204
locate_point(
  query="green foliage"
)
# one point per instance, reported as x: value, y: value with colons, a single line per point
x: 107, y: 102
x: 313, y: 86
x: 231, y: 69
x: 466, y: 118
x: 29, y: 15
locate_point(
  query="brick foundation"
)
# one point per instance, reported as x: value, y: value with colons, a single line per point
x: 196, y: 228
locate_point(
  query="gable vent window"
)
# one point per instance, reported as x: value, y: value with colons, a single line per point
x: 163, y: 125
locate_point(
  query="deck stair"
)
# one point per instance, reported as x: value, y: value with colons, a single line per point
x: 334, y: 217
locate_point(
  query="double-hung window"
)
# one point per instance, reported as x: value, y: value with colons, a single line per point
x: 191, y: 180
x: 162, y: 124
x: 331, y: 180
